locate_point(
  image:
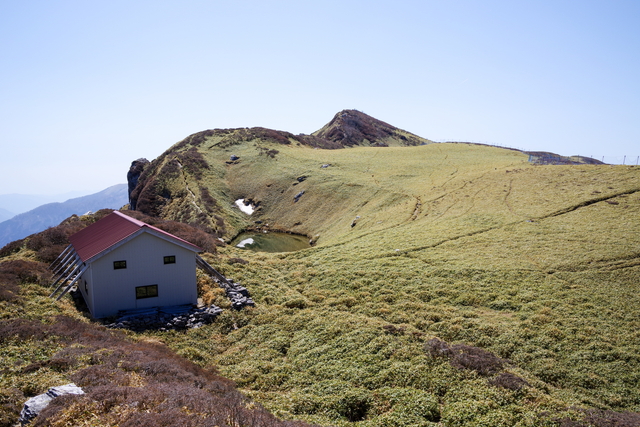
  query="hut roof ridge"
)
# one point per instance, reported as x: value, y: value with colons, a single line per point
x: 113, y: 229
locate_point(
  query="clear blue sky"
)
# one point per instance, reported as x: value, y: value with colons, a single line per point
x: 88, y: 86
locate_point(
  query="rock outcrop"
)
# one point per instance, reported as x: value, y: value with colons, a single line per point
x: 136, y: 169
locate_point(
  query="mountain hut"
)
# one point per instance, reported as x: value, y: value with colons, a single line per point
x: 121, y: 263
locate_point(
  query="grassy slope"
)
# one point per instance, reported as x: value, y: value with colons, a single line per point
x: 128, y: 379
x: 470, y: 244
x: 466, y: 243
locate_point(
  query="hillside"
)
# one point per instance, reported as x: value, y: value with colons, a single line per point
x: 186, y: 182
x: 127, y: 380
x: 51, y: 214
x: 19, y: 203
x: 449, y: 284
x: 5, y: 214
x: 470, y: 244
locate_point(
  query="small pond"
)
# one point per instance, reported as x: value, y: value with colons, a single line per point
x: 271, y: 242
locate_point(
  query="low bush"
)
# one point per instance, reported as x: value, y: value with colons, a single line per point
x: 11, y: 248
x: 406, y: 406
x: 394, y: 330
x: 267, y: 152
x: 191, y: 233
x: 21, y: 329
x: 602, y: 418
x: 148, y: 196
x: 171, y: 169
x: 338, y: 399
x: 296, y: 303
x: 209, y: 202
x: 56, y: 236
x: 22, y: 271
x: 49, y: 254
x: 466, y: 357
x: 10, y: 404
x: 354, y: 404
x: 129, y: 383
x: 9, y: 289
x: 193, y: 161
x: 508, y: 381
x: 57, y: 364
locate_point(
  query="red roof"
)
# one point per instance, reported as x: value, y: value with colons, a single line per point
x: 113, y: 229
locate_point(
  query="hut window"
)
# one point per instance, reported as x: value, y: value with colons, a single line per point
x: 171, y: 259
x: 146, y: 291
x: 117, y: 265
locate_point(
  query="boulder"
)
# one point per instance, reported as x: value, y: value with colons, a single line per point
x: 35, y: 405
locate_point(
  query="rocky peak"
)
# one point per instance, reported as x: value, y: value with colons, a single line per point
x: 353, y: 127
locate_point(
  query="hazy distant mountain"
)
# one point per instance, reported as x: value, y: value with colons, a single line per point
x: 51, y: 214
x: 5, y: 214
x: 19, y: 203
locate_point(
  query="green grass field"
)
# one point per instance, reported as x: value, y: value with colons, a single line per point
x: 472, y: 245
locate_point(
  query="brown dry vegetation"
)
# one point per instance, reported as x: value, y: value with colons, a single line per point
x: 126, y: 382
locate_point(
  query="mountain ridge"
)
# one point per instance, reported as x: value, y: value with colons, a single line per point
x: 6, y: 214
x: 348, y: 128
x: 18, y: 203
x: 51, y: 214
x: 157, y: 191
x: 453, y: 284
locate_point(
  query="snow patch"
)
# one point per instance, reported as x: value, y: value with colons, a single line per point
x: 248, y: 209
x: 245, y: 242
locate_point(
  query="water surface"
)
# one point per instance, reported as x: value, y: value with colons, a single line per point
x: 271, y: 242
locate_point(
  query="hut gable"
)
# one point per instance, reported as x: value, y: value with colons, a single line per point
x: 121, y: 263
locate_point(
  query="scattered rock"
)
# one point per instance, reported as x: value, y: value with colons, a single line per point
x: 325, y: 165
x: 237, y: 294
x: 301, y: 178
x: 166, y: 318
x: 297, y: 197
x: 233, y: 158
x: 35, y: 405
